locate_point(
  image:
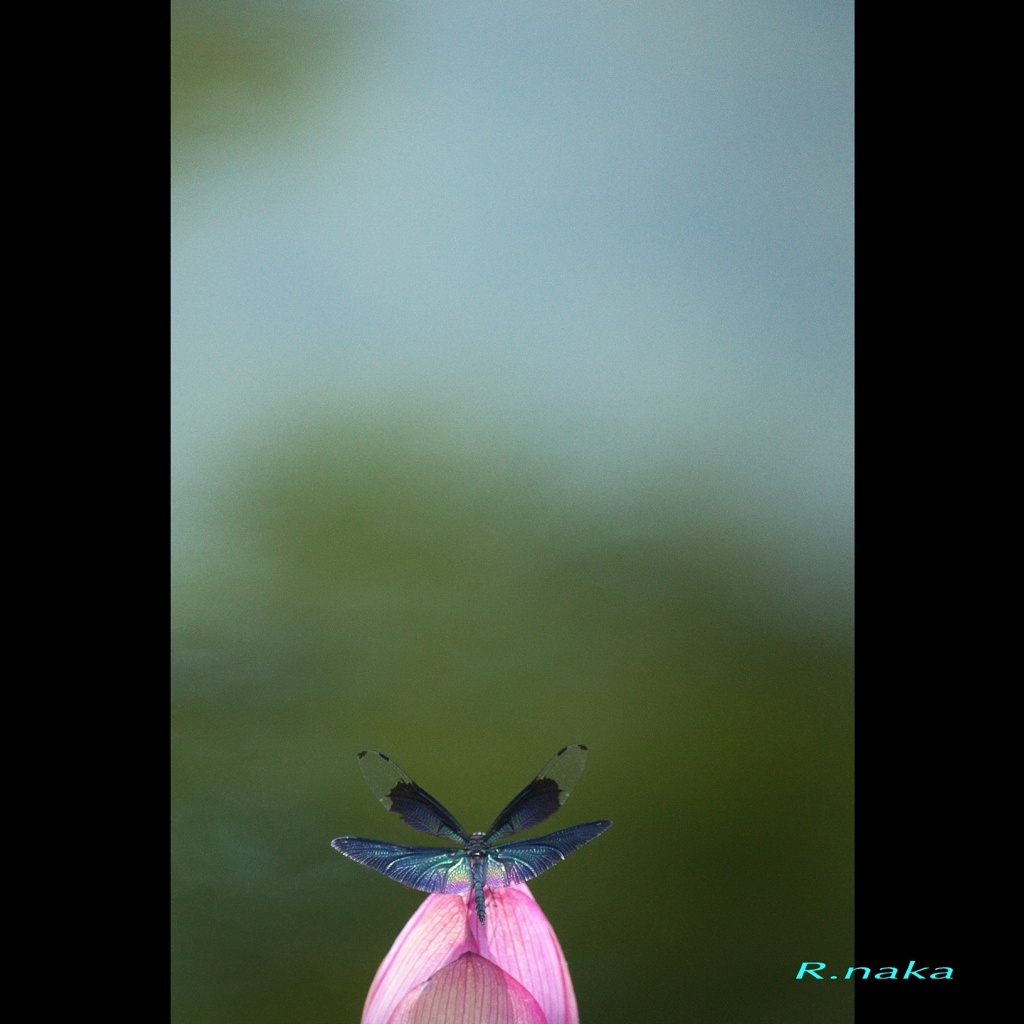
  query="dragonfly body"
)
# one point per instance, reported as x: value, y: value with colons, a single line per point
x: 485, y: 860
x: 477, y: 853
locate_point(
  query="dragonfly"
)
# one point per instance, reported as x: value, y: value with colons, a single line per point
x: 485, y: 858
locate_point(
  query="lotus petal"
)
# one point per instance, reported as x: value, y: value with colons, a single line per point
x: 471, y: 990
x: 520, y: 940
x: 434, y: 936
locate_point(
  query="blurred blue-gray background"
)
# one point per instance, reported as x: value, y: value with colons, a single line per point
x: 513, y: 387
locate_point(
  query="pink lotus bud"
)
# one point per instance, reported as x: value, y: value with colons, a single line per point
x: 447, y: 968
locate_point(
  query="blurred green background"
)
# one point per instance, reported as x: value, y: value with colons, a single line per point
x: 391, y: 568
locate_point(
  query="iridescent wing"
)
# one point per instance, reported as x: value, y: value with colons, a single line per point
x: 420, y: 867
x: 542, y: 797
x: 514, y: 863
x: 398, y: 793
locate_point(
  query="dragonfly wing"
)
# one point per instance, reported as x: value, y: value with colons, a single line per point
x: 420, y: 867
x: 542, y: 797
x: 514, y: 863
x: 398, y: 793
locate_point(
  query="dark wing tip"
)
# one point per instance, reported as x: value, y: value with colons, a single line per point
x: 582, y: 746
x: 362, y: 753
